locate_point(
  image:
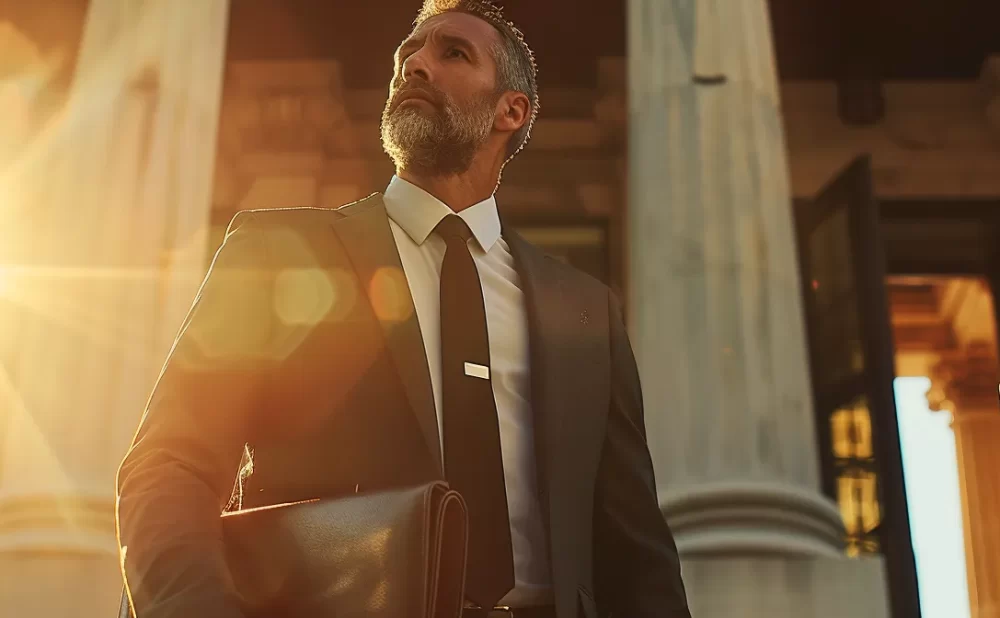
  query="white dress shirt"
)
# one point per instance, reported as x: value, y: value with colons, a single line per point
x: 413, y: 215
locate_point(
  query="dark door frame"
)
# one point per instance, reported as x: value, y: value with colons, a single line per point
x: 849, y: 198
x: 954, y: 236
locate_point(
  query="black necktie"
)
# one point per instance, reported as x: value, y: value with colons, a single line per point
x: 472, y: 457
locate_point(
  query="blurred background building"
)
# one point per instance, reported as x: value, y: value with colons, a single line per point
x: 798, y: 201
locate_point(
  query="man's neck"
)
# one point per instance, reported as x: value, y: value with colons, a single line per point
x: 457, y: 191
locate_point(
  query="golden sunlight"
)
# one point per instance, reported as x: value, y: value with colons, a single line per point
x: 390, y: 295
x: 304, y: 296
x: 105, y: 200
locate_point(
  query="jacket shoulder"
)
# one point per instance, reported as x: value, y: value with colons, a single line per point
x: 581, y: 279
x: 570, y: 275
x: 296, y: 215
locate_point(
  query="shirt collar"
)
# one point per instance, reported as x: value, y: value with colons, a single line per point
x: 418, y: 213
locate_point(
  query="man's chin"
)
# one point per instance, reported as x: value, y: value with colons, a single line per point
x: 428, y: 158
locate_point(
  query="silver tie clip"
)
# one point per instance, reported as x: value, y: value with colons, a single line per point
x: 477, y: 371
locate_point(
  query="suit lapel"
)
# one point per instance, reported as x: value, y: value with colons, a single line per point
x: 366, y: 236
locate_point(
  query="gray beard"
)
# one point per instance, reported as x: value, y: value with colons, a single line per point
x: 439, y: 143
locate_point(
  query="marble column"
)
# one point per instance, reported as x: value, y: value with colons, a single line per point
x: 106, y: 212
x: 717, y: 323
x: 977, y: 434
x: 966, y: 384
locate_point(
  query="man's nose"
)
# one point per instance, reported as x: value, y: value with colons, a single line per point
x: 416, y: 66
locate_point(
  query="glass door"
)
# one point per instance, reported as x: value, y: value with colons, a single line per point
x: 852, y: 366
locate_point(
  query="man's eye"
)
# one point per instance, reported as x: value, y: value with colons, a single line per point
x: 454, y: 52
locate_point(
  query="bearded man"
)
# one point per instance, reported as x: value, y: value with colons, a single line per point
x: 404, y: 338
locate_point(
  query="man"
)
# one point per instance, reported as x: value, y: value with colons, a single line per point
x: 392, y: 342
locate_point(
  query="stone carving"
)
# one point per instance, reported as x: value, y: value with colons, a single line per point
x: 965, y: 379
x: 965, y: 383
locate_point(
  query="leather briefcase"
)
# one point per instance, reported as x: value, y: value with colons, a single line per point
x: 391, y: 554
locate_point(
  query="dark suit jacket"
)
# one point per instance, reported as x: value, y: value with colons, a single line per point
x: 303, y: 345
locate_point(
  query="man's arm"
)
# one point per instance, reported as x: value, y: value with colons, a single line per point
x: 179, y: 473
x: 636, y: 565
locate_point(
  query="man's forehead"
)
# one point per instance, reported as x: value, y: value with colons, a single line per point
x: 478, y: 31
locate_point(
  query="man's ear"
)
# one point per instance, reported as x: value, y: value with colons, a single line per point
x: 513, y: 112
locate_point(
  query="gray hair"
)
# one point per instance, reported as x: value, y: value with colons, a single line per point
x: 516, y: 69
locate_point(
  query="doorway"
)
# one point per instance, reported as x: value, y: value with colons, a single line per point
x: 899, y: 306
x: 943, y: 260
x: 946, y: 393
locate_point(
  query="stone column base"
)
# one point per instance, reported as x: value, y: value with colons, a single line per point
x: 778, y: 587
x: 739, y: 518
x: 58, y: 554
x: 50, y: 584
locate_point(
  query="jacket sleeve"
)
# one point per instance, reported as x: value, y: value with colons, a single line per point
x: 637, y: 570
x: 179, y: 472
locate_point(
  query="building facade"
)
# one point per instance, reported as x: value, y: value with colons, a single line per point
x: 670, y: 161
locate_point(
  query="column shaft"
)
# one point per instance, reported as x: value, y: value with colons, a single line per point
x: 715, y: 310
x: 107, y: 217
x: 715, y: 299
x: 977, y: 435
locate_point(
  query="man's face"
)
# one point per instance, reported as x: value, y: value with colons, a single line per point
x: 443, y: 97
